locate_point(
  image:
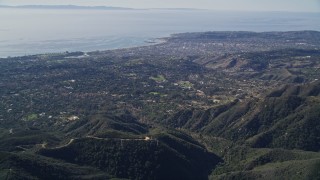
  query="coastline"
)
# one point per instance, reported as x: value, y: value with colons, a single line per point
x: 43, y: 31
x: 144, y: 43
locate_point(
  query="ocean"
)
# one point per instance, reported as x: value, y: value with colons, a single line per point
x: 37, y: 31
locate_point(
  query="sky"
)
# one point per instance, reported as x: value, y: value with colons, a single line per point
x: 237, y: 5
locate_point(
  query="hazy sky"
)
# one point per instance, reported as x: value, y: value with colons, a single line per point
x: 242, y: 5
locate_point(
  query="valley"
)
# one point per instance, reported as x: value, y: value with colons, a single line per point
x: 213, y: 105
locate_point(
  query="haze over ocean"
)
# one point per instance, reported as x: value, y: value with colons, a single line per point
x: 33, y: 31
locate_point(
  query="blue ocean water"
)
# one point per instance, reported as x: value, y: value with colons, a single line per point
x: 34, y: 31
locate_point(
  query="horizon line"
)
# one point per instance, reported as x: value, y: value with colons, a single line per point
x: 41, y: 6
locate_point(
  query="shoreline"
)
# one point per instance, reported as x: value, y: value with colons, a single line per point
x: 146, y: 43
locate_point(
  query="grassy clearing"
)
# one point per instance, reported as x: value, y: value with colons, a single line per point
x: 32, y: 117
x: 185, y: 84
x: 159, y: 78
x: 154, y: 93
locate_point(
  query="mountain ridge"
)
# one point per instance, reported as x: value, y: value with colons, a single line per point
x: 66, y: 7
x: 215, y: 105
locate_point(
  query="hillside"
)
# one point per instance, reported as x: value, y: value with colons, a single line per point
x: 166, y: 157
x: 285, y: 118
x: 214, y: 105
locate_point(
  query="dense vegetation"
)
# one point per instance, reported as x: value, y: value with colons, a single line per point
x: 168, y: 157
x: 215, y: 105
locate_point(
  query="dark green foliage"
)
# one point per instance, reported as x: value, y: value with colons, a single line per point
x: 30, y: 166
x: 258, y: 64
x: 196, y: 119
x: 69, y: 116
x: 287, y: 118
x: 232, y: 63
x: 102, y: 123
x: 26, y: 139
x: 168, y: 157
x: 247, y: 163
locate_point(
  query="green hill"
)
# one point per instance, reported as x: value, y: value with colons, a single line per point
x: 286, y: 118
x: 166, y: 157
x: 214, y: 105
